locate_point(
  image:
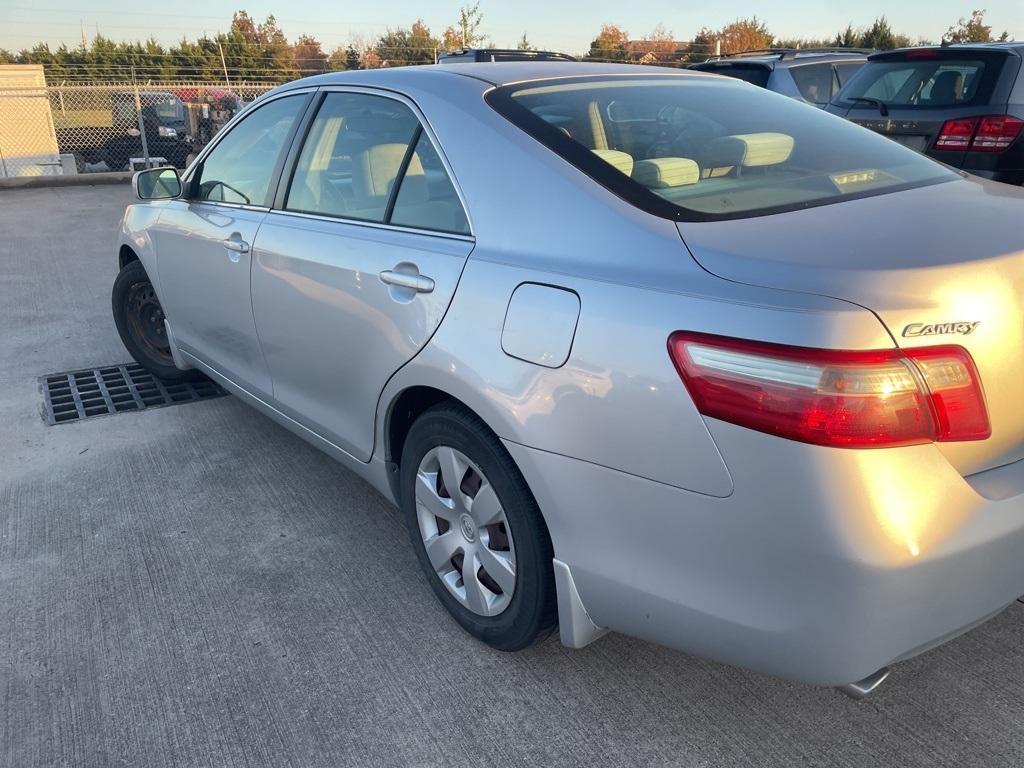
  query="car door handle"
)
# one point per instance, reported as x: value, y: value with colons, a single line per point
x: 418, y: 283
x: 236, y: 244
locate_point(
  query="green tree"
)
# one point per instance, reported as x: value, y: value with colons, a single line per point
x: 524, y: 44
x: 973, y: 30
x: 702, y: 47
x: 402, y: 47
x: 465, y: 33
x: 881, y: 37
x: 309, y: 58
x: 745, y: 35
x: 609, y: 45
x: 343, y: 59
x: 849, y: 38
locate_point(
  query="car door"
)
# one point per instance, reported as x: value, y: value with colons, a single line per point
x: 357, y: 263
x: 204, y: 240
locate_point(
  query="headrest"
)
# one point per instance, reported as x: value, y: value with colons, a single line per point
x: 749, y: 150
x: 375, y: 169
x: 618, y: 160
x: 663, y: 172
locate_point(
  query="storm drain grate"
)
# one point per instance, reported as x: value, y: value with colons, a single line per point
x: 78, y: 395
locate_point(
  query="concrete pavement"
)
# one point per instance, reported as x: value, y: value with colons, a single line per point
x: 194, y: 586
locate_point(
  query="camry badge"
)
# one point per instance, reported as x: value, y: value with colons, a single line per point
x: 940, y: 329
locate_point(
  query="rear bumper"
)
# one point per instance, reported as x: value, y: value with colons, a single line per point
x: 823, y: 566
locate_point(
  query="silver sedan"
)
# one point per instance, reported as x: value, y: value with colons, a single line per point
x: 633, y: 349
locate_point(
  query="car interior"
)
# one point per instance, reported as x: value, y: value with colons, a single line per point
x: 696, y: 151
x: 353, y: 158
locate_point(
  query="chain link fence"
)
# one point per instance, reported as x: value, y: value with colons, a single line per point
x: 53, y: 130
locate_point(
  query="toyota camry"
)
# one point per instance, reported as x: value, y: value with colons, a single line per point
x: 633, y: 349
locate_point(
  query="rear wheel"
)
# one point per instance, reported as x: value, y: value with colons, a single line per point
x: 477, y: 529
x: 140, y: 323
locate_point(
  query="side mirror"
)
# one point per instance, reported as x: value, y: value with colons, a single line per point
x: 157, y: 184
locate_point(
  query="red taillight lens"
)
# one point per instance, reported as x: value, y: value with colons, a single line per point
x: 996, y: 133
x: 838, y: 398
x: 993, y: 133
x: 955, y: 389
x: 956, y: 134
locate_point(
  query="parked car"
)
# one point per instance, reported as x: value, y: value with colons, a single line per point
x: 464, y: 55
x: 961, y: 104
x: 164, y: 138
x: 645, y: 350
x: 809, y: 74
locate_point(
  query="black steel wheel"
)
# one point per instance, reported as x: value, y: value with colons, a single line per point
x: 140, y: 323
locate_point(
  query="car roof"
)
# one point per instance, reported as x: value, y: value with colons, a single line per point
x: 788, y: 58
x: 494, y: 73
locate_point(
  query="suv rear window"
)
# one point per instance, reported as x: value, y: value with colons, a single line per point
x: 756, y: 74
x: 692, y: 148
x: 965, y: 79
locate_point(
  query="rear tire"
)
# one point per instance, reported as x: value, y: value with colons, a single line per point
x: 139, y: 319
x: 504, y: 533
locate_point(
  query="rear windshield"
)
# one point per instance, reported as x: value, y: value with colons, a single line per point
x: 755, y: 74
x: 693, y: 148
x: 925, y: 83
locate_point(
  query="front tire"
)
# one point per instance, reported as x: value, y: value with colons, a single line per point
x: 140, y: 323
x: 477, y: 530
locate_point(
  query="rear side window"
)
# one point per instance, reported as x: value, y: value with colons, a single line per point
x: 845, y: 71
x: 756, y: 74
x: 715, y: 149
x: 814, y: 81
x: 926, y: 83
x: 427, y: 198
x: 366, y: 158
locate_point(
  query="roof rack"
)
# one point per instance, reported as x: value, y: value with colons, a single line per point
x: 788, y: 53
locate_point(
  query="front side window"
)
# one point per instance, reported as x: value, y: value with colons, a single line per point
x: 716, y: 149
x: 240, y: 167
x: 367, y: 158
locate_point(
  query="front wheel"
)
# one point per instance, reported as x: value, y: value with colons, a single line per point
x: 140, y: 323
x: 477, y: 529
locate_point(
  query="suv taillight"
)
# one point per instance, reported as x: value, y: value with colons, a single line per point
x: 993, y: 133
x: 996, y: 133
x: 844, y: 399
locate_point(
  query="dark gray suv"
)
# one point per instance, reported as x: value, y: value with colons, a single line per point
x: 961, y: 104
x: 809, y: 74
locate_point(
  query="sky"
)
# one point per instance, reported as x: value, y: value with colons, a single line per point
x: 566, y: 25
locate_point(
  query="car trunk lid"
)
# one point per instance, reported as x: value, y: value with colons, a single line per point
x: 940, y: 264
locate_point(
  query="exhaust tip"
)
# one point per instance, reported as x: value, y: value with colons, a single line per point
x: 864, y: 688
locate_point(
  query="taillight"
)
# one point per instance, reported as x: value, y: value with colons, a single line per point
x: 996, y: 133
x: 993, y: 133
x: 846, y: 399
x: 956, y: 134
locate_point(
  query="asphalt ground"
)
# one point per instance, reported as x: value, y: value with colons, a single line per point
x: 194, y: 586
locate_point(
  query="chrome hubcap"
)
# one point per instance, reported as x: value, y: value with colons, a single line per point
x: 465, y: 532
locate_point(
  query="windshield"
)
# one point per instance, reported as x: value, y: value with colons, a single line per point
x: 937, y: 82
x: 694, y: 147
x: 169, y: 108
